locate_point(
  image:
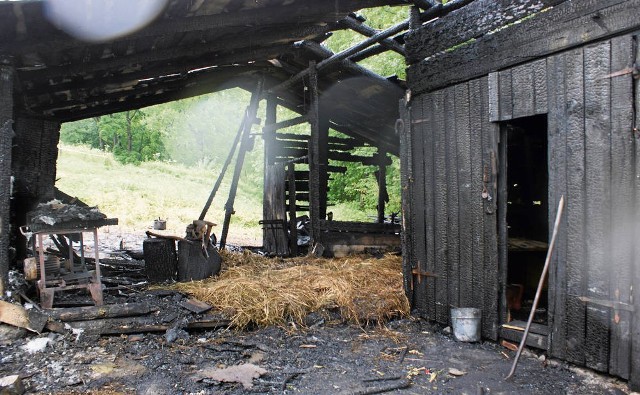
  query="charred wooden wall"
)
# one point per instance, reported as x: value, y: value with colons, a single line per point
x: 7, y: 74
x: 581, y: 74
x: 450, y: 193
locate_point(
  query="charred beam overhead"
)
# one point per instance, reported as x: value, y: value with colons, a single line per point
x: 313, y: 12
x: 203, y: 55
x: 358, y: 26
x: 343, y: 55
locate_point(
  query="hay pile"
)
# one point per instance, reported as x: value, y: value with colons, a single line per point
x: 257, y: 290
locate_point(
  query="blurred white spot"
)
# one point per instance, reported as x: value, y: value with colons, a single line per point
x: 101, y: 20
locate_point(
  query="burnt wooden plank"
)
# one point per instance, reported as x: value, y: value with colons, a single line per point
x: 403, y: 127
x: 598, y: 202
x: 505, y: 98
x: 453, y: 230
x: 465, y: 213
x: 634, y: 377
x: 476, y: 217
x: 576, y: 256
x: 427, y: 141
x: 523, y: 91
x: 501, y: 220
x: 540, y: 92
x: 471, y: 21
x: 7, y: 75
x: 274, y: 202
x: 494, y: 97
x: 567, y: 25
x: 362, y: 227
x: 557, y: 153
x: 491, y: 270
x: 621, y: 179
x: 286, y: 123
x: 418, y: 131
x: 440, y: 207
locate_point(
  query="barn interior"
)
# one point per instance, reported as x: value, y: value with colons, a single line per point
x: 463, y: 70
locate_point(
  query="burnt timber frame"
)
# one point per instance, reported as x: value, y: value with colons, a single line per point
x: 576, y: 62
x: 50, y: 77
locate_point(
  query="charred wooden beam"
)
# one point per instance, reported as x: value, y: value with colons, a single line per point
x: 191, y: 85
x: 291, y: 191
x: 358, y: 26
x: 343, y: 55
x: 286, y: 124
x: 565, y: 26
x: 383, y: 196
x: 210, y: 50
x: 368, y: 53
x: 97, y: 312
x: 312, y: 13
x: 7, y: 75
x: 473, y: 21
x: 314, y: 154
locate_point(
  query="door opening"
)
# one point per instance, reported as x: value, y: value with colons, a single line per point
x: 527, y: 183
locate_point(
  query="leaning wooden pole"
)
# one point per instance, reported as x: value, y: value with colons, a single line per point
x: 232, y: 152
x: 245, y: 143
x: 545, y: 269
x: 6, y: 141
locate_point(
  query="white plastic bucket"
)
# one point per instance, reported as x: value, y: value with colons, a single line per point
x: 466, y: 324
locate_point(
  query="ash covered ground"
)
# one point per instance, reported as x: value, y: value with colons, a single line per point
x: 325, y: 356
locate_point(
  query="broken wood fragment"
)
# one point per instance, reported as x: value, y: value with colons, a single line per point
x: 384, y: 388
x: 17, y: 315
x: 105, y: 311
x: 195, y: 305
x: 387, y: 378
x: 11, y: 385
x: 119, y: 326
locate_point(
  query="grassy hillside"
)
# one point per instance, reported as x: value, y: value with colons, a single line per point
x: 139, y: 194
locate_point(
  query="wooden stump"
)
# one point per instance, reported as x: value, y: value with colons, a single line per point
x: 160, y: 259
x: 193, y: 264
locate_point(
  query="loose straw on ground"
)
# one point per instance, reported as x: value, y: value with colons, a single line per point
x: 262, y: 291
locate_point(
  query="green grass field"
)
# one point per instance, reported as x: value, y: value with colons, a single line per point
x: 138, y: 194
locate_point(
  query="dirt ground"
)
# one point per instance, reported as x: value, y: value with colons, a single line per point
x: 326, y: 356
x: 329, y: 358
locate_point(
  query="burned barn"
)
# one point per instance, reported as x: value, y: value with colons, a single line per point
x: 508, y: 106
x: 512, y: 105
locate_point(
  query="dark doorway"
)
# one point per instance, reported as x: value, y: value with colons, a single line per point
x: 526, y: 177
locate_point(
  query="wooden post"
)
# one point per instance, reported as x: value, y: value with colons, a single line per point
x: 245, y: 144
x: 293, y: 226
x: 6, y: 139
x: 323, y: 163
x: 314, y: 155
x: 634, y: 380
x: 33, y: 166
x: 383, y: 196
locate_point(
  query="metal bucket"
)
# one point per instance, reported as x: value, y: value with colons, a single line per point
x: 159, y: 224
x: 465, y: 323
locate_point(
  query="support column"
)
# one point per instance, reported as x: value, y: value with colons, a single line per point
x: 314, y: 155
x: 6, y: 140
x: 34, y: 157
x: 383, y: 196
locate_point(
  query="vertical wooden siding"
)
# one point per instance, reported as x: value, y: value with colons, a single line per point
x: 593, y: 161
x: 591, y: 155
x: 453, y: 229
